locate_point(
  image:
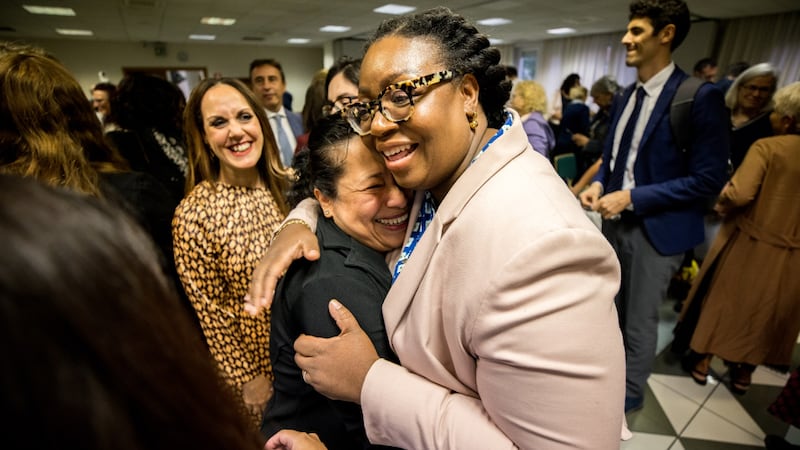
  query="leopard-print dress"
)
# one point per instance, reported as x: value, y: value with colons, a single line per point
x: 220, y: 232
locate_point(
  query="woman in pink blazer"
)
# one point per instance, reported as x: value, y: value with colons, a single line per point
x: 501, y: 310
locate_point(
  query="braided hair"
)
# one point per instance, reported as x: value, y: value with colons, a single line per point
x: 463, y: 49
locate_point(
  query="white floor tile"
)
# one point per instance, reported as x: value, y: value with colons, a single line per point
x: 723, y: 403
x: 711, y: 427
x: 765, y: 375
x: 648, y: 441
x: 685, y: 386
x: 678, y: 408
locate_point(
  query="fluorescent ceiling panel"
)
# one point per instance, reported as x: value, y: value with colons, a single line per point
x: 71, y: 32
x: 564, y: 30
x: 49, y: 10
x: 494, y: 21
x: 334, y: 29
x: 391, y: 8
x: 218, y: 21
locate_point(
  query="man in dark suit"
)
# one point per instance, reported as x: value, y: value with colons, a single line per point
x: 652, y: 194
x: 269, y: 83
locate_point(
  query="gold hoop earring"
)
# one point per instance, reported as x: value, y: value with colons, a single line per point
x: 473, y: 123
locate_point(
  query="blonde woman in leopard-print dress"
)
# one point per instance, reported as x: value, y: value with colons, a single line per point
x: 222, y: 227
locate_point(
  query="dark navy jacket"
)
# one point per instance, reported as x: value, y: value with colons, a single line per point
x: 673, y: 188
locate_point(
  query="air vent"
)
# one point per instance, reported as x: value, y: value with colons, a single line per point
x: 253, y: 38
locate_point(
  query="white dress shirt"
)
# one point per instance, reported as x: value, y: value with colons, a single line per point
x: 652, y: 89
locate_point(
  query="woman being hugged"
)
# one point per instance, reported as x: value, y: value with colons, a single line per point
x: 508, y: 337
x: 220, y: 229
x: 365, y: 215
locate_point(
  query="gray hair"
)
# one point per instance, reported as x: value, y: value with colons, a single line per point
x: 605, y: 85
x: 759, y: 70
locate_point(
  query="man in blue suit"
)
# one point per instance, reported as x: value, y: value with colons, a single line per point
x: 653, y: 195
x: 269, y: 84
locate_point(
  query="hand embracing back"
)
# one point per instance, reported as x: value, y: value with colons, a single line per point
x: 336, y: 367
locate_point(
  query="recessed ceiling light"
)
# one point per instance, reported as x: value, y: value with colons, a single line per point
x: 202, y: 37
x: 298, y: 40
x: 391, y: 8
x: 494, y: 21
x: 70, y: 32
x: 334, y: 29
x: 564, y: 30
x: 217, y: 21
x: 49, y: 10
x: 494, y: 41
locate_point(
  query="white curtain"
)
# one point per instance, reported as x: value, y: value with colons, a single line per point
x: 591, y: 57
x: 774, y: 39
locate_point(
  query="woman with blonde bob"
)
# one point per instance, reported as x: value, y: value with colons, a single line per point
x: 236, y: 190
x: 530, y: 101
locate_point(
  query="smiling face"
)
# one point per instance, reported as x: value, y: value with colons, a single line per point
x: 754, y: 94
x: 645, y: 49
x: 269, y: 86
x: 233, y: 133
x: 369, y: 206
x: 434, y: 146
x: 100, y: 101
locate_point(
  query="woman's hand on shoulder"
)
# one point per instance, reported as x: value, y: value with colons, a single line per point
x: 292, y: 241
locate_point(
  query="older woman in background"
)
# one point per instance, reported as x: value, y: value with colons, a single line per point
x: 744, y: 301
x: 530, y: 101
x: 750, y: 102
x: 591, y: 145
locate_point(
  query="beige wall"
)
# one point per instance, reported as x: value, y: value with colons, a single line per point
x: 86, y: 58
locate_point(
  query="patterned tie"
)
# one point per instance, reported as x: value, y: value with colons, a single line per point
x: 615, y: 181
x: 287, y: 152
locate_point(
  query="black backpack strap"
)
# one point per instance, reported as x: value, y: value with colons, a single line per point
x: 680, y: 112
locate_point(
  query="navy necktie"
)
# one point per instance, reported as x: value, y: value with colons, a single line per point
x: 621, y: 161
x: 287, y: 152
